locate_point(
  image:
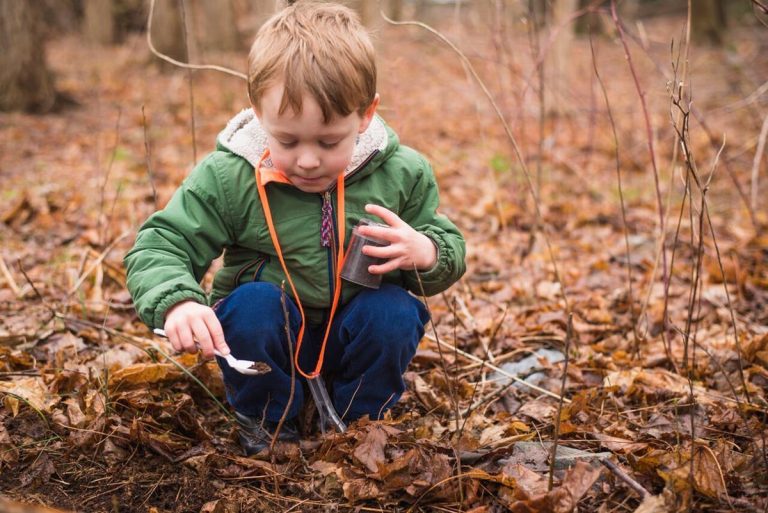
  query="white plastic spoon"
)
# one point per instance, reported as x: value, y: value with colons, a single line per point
x: 248, y: 367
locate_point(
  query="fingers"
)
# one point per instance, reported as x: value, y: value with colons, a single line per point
x: 217, y: 334
x: 186, y: 340
x: 386, y: 215
x: 389, y: 265
x: 203, y: 337
x: 190, y: 326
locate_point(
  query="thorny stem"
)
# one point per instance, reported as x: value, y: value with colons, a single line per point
x: 553, y: 456
x: 631, y: 301
x: 649, y: 135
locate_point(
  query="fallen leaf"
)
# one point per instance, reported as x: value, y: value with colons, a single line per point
x: 370, y: 451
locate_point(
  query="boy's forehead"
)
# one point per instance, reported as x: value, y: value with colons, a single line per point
x: 309, y: 116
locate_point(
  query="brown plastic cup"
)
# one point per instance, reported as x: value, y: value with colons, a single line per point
x: 355, y: 268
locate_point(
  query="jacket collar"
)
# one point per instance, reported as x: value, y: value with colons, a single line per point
x: 245, y: 137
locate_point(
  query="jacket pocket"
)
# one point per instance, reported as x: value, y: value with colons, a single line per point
x: 255, y: 266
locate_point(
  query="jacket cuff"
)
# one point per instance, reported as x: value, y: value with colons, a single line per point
x: 173, y: 297
x: 440, y: 271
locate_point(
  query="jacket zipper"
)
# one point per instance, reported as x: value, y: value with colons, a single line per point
x: 329, y: 238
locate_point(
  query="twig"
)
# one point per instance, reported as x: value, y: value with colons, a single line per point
x: 143, y: 343
x: 9, y: 278
x: 637, y: 487
x: 182, y: 4
x: 556, y: 439
x: 498, y: 369
x: 98, y: 261
x: 760, y: 6
x: 703, y: 122
x: 180, y: 64
x: 448, y: 379
x: 625, y: 228
x: 289, y: 341
x: 756, y: 161
x: 648, y: 133
x: 510, y: 136
x: 105, y: 225
x: 148, y: 156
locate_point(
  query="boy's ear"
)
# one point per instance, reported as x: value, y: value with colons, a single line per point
x: 368, y: 114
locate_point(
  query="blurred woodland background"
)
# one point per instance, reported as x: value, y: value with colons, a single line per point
x: 606, y: 162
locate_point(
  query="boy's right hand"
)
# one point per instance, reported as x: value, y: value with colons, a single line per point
x: 190, y: 325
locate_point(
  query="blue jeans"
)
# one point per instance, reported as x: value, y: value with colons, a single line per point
x: 372, y: 340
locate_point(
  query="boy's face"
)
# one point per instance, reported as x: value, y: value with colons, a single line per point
x: 309, y: 151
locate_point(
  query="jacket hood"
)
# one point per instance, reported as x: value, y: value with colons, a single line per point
x: 244, y: 136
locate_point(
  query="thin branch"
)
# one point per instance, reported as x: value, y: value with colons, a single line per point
x: 501, y: 371
x: 180, y: 64
x: 148, y: 156
x: 714, y: 141
x: 104, y: 222
x: 556, y: 439
x: 756, y: 161
x: 637, y: 487
x: 289, y: 341
x: 510, y: 136
x: 625, y: 228
x: 182, y: 4
x: 648, y: 133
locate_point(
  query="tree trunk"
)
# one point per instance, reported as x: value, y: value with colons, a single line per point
x: 558, y: 66
x: 708, y: 21
x: 25, y: 82
x: 215, y: 27
x: 99, y: 21
x: 396, y: 10
x: 167, y: 30
x: 368, y: 10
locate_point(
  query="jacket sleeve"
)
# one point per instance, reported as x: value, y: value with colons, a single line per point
x: 176, y: 245
x: 421, y: 213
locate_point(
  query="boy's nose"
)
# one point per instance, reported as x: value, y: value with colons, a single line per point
x: 308, y: 160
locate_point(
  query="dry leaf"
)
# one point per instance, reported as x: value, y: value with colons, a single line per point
x: 370, y: 451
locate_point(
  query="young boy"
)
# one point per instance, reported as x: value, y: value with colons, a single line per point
x: 287, y: 182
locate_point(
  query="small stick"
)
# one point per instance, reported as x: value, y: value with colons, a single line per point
x: 98, y: 261
x: 289, y: 340
x: 569, y: 334
x: 179, y: 63
x: 9, y: 278
x: 637, y: 487
x: 649, y: 134
x: 148, y: 156
x: 756, y: 161
x: 498, y: 369
x: 182, y: 4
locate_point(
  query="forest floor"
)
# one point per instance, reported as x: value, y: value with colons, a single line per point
x: 99, y: 416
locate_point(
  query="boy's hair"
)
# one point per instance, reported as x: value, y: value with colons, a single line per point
x: 316, y: 48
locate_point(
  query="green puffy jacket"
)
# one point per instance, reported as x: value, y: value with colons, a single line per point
x: 217, y: 208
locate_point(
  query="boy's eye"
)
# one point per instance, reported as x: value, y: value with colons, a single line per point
x: 328, y: 145
x: 286, y: 144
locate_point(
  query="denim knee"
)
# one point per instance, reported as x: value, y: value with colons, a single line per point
x: 253, y: 312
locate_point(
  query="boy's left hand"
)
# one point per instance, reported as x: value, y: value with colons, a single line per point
x: 407, y: 247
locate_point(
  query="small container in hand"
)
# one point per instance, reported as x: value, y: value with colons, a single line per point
x: 355, y: 268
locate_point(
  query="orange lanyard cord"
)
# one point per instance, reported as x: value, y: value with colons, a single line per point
x: 339, y: 261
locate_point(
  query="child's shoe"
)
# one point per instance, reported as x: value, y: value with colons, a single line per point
x: 256, y: 434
